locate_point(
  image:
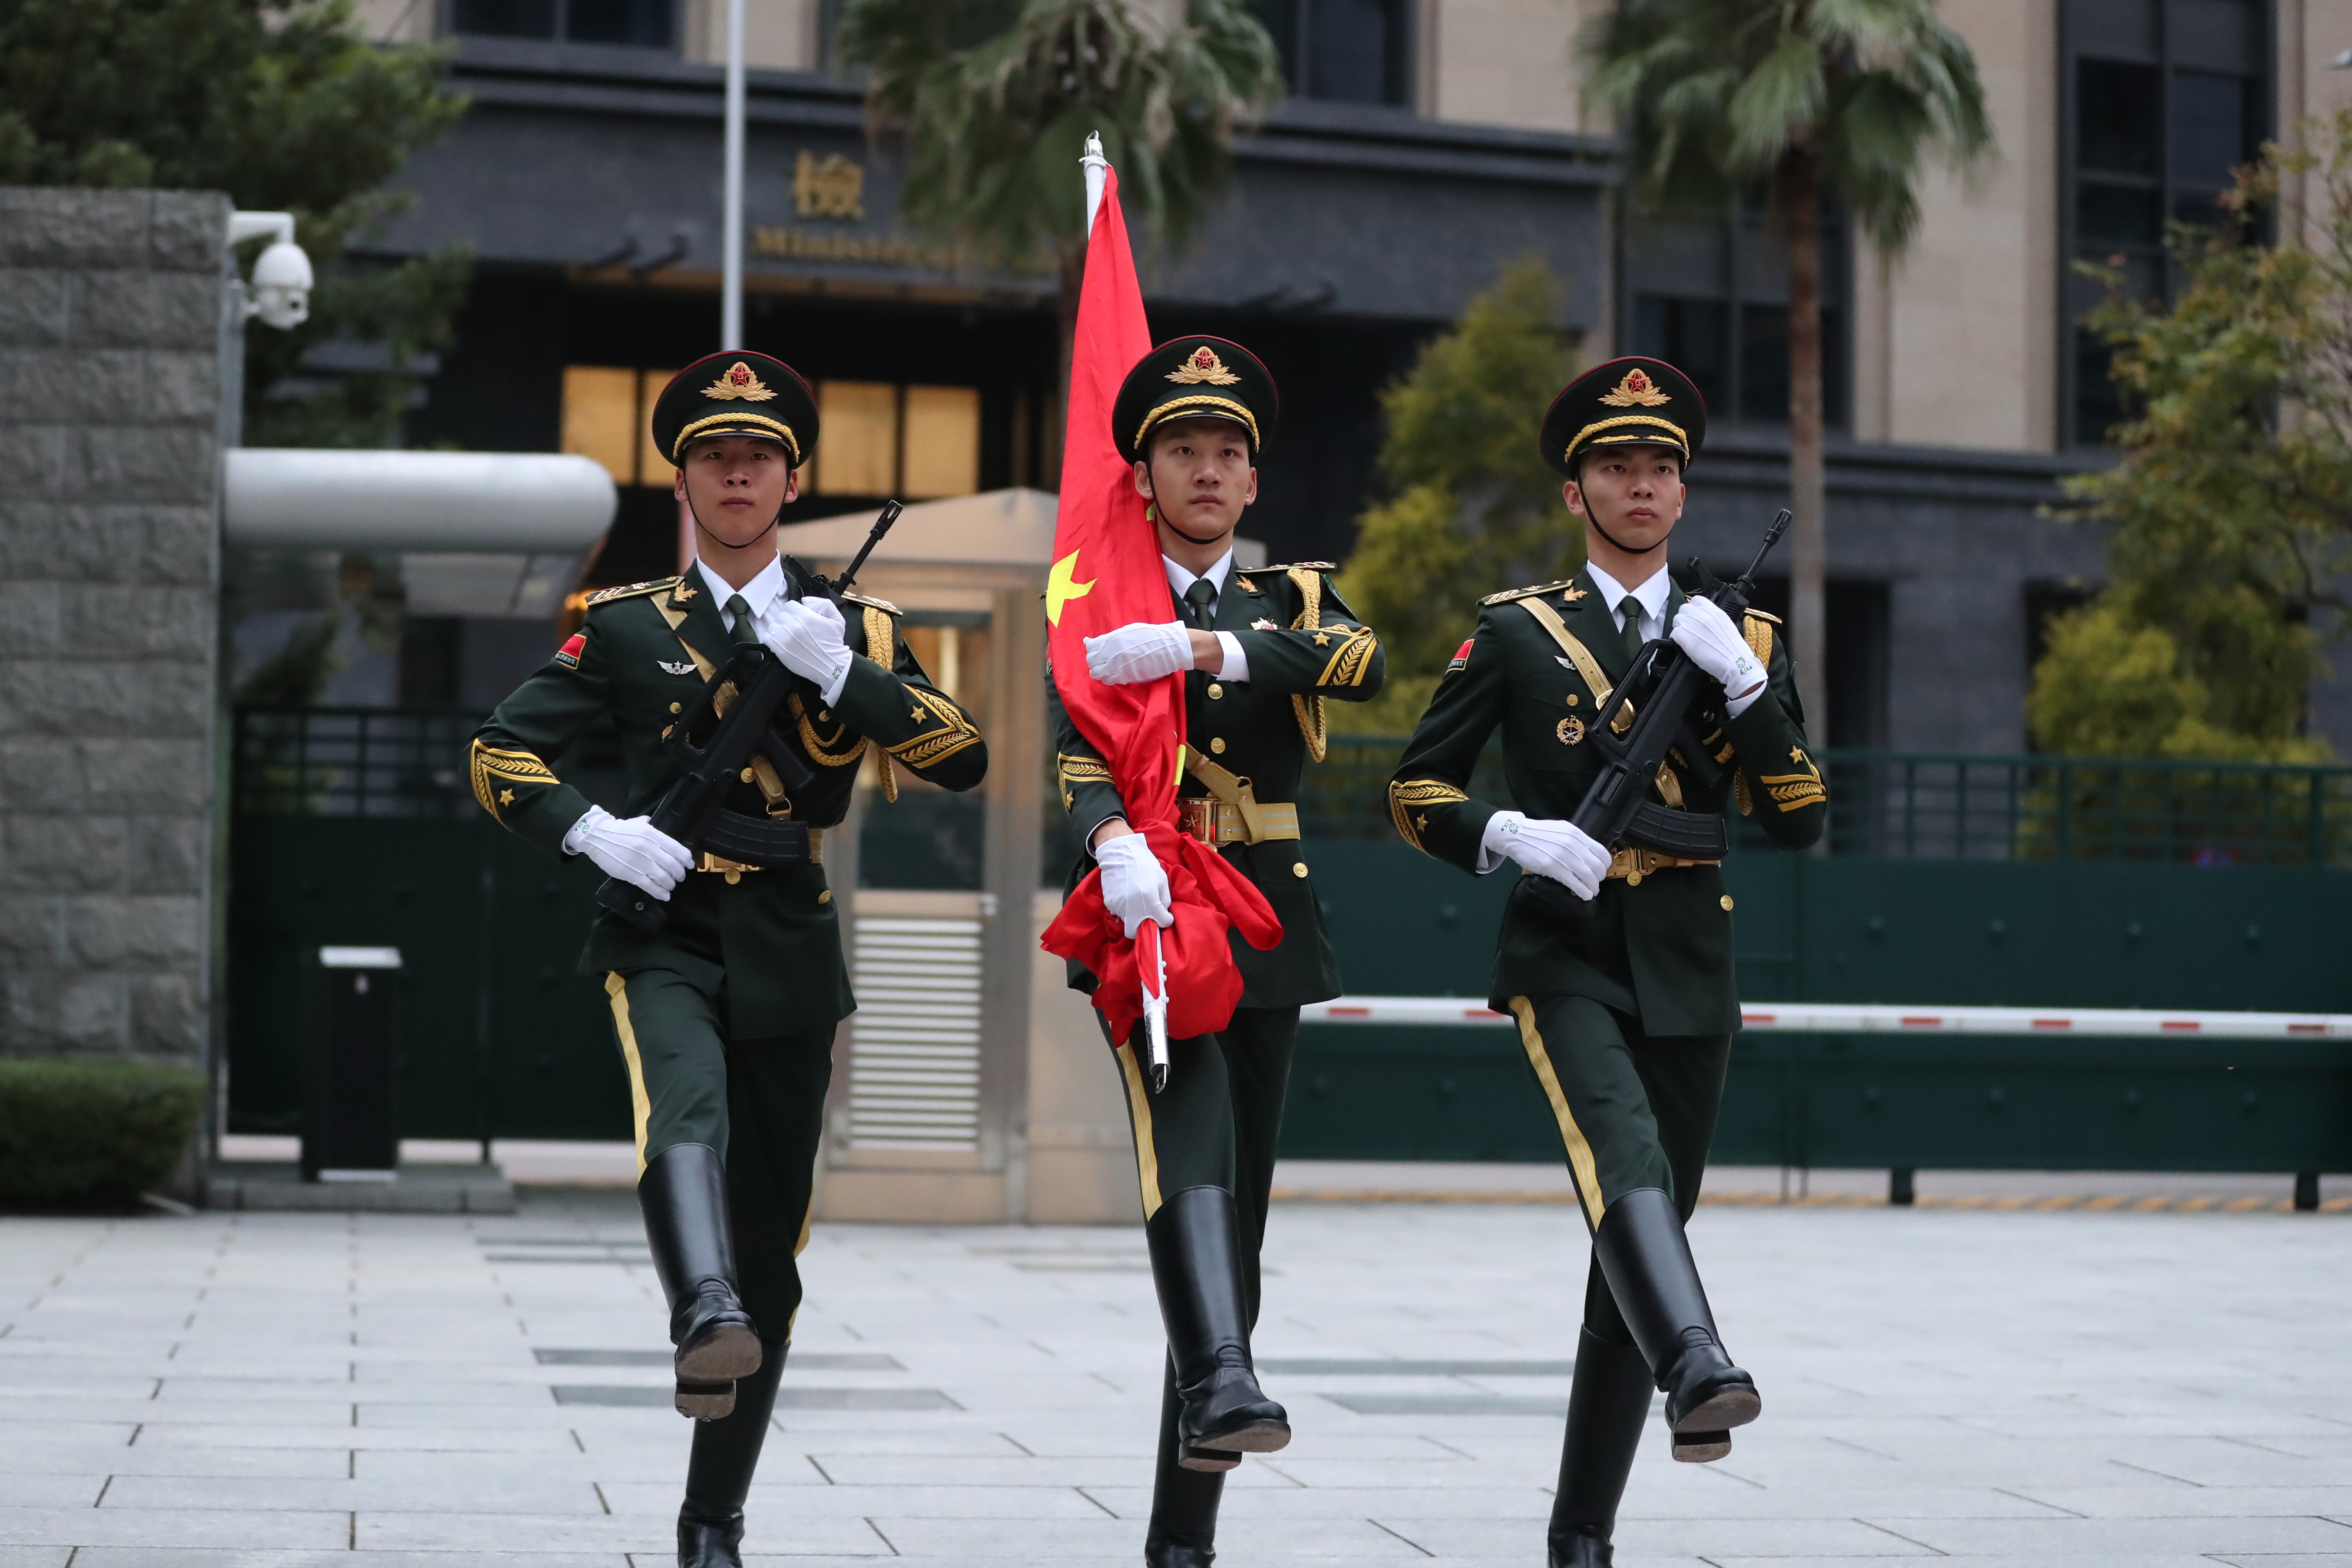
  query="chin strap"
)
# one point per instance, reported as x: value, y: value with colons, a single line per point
x: 755, y: 539
x: 1188, y: 538
x: 1613, y: 538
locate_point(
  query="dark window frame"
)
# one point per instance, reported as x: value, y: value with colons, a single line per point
x: 1297, y: 51
x: 1742, y: 235
x: 560, y: 27
x: 2075, y: 351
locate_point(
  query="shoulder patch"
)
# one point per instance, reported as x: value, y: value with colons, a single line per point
x: 1507, y: 595
x: 1762, y: 615
x: 606, y: 596
x: 875, y: 604
x: 568, y: 655
x: 1461, y: 660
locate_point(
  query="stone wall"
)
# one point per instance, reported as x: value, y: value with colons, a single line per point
x: 110, y: 365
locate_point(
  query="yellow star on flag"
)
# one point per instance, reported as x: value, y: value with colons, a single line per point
x: 1062, y: 586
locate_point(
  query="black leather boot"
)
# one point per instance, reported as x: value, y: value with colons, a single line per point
x: 684, y: 1195
x: 1606, y: 1406
x: 719, y: 1474
x: 1183, y: 1529
x: 1647, y: 1261
x: 1195, y: 1244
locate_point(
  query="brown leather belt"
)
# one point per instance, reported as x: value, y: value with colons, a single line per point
x: 1634, y: 863
x: 734, y: 870
x: 1213, y: 821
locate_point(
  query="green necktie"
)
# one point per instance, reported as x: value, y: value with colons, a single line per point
x: 743, y: 630
x: 1201, y: 595
x: 1632, y: 608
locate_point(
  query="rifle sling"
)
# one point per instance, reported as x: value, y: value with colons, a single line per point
x: 1229, y: 787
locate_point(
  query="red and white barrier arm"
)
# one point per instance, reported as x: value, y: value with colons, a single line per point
x: 1872, y: 1018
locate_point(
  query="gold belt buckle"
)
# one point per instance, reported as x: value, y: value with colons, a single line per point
x: 1198, y: 818
x: 734, y: 870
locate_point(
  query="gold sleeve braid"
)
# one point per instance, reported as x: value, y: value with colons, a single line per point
x: 836, y: 750
x: 936, y: 745
x: 493, y: 768
x: 1794, y: 792
x: 1350, y: 659
x: 1758, y: 632
x: 1069, y: 770
x: 1313, y: 723
x: 1407, y: 801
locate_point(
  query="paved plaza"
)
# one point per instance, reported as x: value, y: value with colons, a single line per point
x: 2019, y: 1386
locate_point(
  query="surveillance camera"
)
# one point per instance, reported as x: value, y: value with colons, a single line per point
x: 281, y: 285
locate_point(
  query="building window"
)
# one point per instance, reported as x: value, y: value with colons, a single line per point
x: 1710, y: 296
x: 608, y: 415
x: 1353, y: 51
x: 2164, y: 99
x: 918, y: 443
x: 647, y: 24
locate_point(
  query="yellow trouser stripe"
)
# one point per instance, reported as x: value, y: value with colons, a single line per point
x: 1138, y: 1104
x: 640, y: 1107
x: 1580, y: 1152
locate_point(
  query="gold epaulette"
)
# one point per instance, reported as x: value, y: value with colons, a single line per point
x: 1762, y: 615
x: 1300, y: 566
x: 872, y: 604
x: 606, y: 596
x: 1508, y: 595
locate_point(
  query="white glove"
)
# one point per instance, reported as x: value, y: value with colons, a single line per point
x: 1134, y: 883
x: 808, y: 636
x: 1140, y: 651
x: 630, y: 849
x: 1561, y: 850
x: 1715, y: 645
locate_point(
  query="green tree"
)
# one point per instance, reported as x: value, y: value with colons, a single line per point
x: 993, y: 99
x: 1802, y: 98
x: 282, y: 104
x: 2231, y: 505
x: 1475, y: 508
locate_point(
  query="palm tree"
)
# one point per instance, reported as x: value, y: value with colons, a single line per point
x: 994, y: 99
x: 1800, y: 98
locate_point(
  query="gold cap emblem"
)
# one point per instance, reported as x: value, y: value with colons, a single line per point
x: 1636, y: 391
x: 739, y: 382
x: 1203, y: 366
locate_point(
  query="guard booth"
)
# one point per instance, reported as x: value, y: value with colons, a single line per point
x: 971, y: 1084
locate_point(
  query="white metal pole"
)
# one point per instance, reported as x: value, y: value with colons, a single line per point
x: 1094, y: 163
x: 730, y: 287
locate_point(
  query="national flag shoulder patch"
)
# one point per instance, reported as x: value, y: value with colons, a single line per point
x: 1461, y: 660
x: 568, y: 655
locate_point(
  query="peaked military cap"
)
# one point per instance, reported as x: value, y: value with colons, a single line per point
x: 1624, y: 403
x: 1195, y: 378
x: 736, y: 392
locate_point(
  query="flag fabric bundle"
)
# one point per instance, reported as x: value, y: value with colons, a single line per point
x: 1107, y: 572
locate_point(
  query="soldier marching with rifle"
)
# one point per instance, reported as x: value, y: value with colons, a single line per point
x: 746, y: 691
x: 1634, y: 715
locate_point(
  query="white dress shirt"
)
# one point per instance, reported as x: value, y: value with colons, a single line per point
x: 1652, y: 597
x: 761, y: 592
x: 1237, y: 664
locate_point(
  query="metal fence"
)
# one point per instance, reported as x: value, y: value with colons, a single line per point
x: 366, y: 762
x: 352, y: 762
x: 1928, y: 806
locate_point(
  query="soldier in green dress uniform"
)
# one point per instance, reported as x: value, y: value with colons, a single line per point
x: 1626, y: 1009
x: 1262, y: 650
x: 724, y: 1016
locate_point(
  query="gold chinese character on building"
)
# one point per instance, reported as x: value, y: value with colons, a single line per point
x: 829, y: 186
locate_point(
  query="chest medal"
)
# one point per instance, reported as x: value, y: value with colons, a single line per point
x: 1571, y: 731
x: 669, y: 667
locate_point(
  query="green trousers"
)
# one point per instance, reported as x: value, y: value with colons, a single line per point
x: 1633, y: 1112
x: 1216, y: 1123
x: 759, y: 1102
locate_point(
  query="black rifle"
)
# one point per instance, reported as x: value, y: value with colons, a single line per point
x: 1617, y: 810
x: 713, y: 743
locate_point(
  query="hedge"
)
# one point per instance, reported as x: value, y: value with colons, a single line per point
x: 100, y: 1132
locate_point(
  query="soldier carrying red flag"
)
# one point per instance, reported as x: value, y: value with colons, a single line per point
x: 1186, y: 694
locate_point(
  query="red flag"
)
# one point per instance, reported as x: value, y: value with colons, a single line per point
x: 1107, y: 572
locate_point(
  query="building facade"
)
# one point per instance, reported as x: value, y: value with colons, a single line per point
x: 1427, y: 142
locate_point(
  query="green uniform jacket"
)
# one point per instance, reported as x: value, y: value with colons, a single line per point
x: 1303, y: 645
x: 1660, y: 950
x: 773, y: 936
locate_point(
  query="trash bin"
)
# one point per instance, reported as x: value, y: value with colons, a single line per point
x: 351, y: 1113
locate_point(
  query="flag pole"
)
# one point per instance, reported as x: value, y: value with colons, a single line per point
x: 731, y: 222
x: 1150, y: 962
